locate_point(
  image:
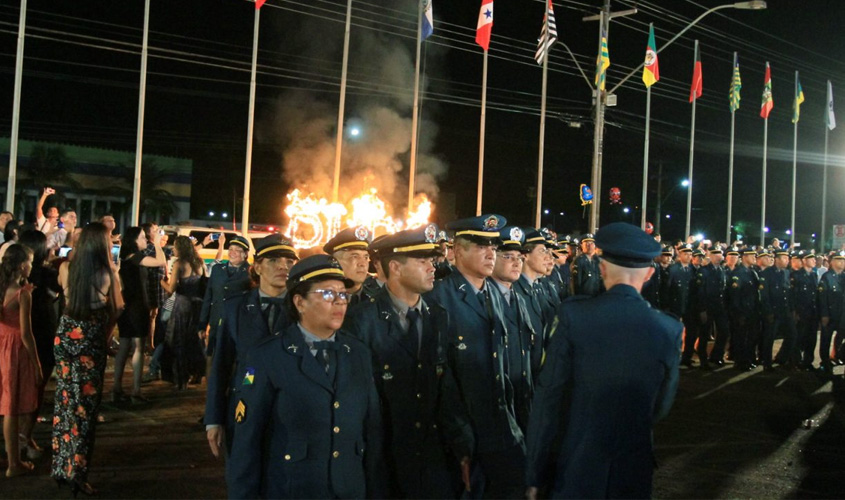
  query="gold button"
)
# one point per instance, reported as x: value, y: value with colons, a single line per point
x: 336, y: 454
x: 419, y: 395
x: 386, y: 367
x: 495, y: 355
x: 287, y: 457
x: 417, y: 425
x: 336, y: 430
x: 336, y: 405
x: 419, y: 365
x: 497, y: 377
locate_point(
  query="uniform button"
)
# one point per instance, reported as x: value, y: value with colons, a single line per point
x: 495, y: 355
x: 419, y: 365
x: 336, y: 430
x: 287, y: 457
x: 498, y: 377
x: 419, y: 395
x: 417, y: 425
x: 336, y: 454
x: 336, y: 405
x: 524, y: 374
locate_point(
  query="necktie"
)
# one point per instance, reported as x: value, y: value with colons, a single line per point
x: 271, y: 306
x: 413, y: 332
x: 324, y: 353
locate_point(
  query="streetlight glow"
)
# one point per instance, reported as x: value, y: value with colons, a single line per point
x: 211, y: 214
x: 766, y: 229
x: 224, y: 215
x: 354, y: 131
x: 546, y: 211
x: 789, y: 231
x: 685, y: 183
x: 668, y: 216
x: 626, y: 210
x: 753, y: 5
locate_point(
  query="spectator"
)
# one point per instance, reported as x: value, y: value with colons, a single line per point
x: 46, y: 223
x: 66, y: 225
x: 10, y: 235
x: 93, y: 304
x: 134, y: 323
x: 156, y: 296
x: 20, y: 371
x: 5, y: 217
x: 108, y: 221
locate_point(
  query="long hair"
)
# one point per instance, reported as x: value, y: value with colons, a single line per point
x: 187, y: 253
x: 128, y: 246
x: 10, y: 267
x: 36, y: 241
x: 90, y: 261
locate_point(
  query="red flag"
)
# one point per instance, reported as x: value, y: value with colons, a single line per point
x: 695, y: 89
x: 768, y: 103
x: 259, y: 3
x: 485, y: 24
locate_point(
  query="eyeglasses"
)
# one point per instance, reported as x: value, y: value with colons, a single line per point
x: 332, y: 296
x: 511, y: 258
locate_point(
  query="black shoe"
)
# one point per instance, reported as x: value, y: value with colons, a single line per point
x: 687, y: 363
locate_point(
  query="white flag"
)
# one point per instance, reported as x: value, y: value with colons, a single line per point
x: 829, y: 118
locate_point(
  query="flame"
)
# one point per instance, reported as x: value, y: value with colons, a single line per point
x: 313, y: 220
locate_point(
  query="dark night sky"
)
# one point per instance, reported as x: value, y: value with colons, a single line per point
x: 81, y: 79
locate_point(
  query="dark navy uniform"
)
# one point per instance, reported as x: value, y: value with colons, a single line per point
x: 354, y: 238
x: 226, y: 281
x: 744, y: 311
x: 677, y: 291
x: 831, y: 297
x: 601, y: 400
x: 805, y: 289
x: 778, y: 315
x: 540, y: 316
x: 651, y: 288
x: 711, y: 290
x: 586, y: 276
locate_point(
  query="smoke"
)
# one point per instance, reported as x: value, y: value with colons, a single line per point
x: 379, y: 103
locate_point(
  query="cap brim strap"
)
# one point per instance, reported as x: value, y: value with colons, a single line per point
x: 321, y: 272
x: 360, y: 243
x: 483, y: 234
x: 240, y: 243
x: 274, y: 248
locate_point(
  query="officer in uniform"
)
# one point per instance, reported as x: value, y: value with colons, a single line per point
x: 563, y: 267
x: 711, y: 288
x: 536, y: 254
x: 477, y: 353
x: 805, y: 287
x: 227, y: 280
x: 349, y: 248
x: 831, y: 297
x: 537, y: 305
x: 428, y: 434
x: 247, y: 319
x: 778, y: 312
x: 606, y: 448
x: 676, y: 291
x: 744, y: 311
x: 552, y: 280
x: 586, y: 278
x: 525, y: 345
x: 308, y: 421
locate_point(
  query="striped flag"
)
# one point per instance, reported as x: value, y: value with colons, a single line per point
x: 829, y: 118
x: 547, y: 37
x: 768, y: 103
x: 736, y: 86
x: 651, y: 71
x: 602, y: 63
x: 485, y: 25
x: 697, y: 84
x: 796, y: 107
x: 428, y: 20
x: 259, y: 3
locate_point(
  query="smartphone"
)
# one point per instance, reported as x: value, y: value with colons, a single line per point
x: 60, y: 225
x: 215, y: 236
x: 115, y: 253
x: 64, y: 251
x: 161, y: 232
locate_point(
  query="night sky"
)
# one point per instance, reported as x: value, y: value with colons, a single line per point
x: 81, y: 80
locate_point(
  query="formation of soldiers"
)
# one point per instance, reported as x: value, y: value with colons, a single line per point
x: 456, y: 325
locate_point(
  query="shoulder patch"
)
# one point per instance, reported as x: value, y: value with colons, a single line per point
x: 240, y: 412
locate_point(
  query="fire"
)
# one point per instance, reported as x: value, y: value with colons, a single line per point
x: 314, y: 220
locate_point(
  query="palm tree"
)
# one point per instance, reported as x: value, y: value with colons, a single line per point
x: 156, y: 202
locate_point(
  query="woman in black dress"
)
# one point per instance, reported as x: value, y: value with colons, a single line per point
x: 134, y: 324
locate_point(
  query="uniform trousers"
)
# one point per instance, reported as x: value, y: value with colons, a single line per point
x: 499, y: 474
x: 745, y: 335
x: 781, y: 324
x: 718, y: 318
x: 808, y: 328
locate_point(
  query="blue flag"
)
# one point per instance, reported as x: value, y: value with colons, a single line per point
x: 427, y: 21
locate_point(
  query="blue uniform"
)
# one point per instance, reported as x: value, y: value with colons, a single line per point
x: 609, y: 398
x: 778, y: 311
x: 744, y: 311
x: 651, y: 288
x: 586, y: 276
x: 805, y: 287
x: 226, y: 281
x: 539, y: 314
x: 831, y: 300
x: 427, y: 428
x: 711, y: 285
x: 302, y: 433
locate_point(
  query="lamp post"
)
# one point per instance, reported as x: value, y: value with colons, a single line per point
x: 602, y: 97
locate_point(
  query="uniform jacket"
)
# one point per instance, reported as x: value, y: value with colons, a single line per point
x: 675, y: 295
x: 711, y: 286
x: 563, y: 271
x: 776, y: 292
x: 805, y: 289
x: 226, y: 281
x: 540, y: 315
x: 831, y: 297
x: 586, y: 276
x: 427, y: 430
x: 651, y: 288
x: 744, y: 294
x: 602, y: 399
x: 476, y: 350
x: 302, y: 435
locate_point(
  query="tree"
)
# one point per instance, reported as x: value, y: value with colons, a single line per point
x: 49, y: 167
x: 156, y: 202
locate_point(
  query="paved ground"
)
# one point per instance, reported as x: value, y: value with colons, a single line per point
x: 729, y: 435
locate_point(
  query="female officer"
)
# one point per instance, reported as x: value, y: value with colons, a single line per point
x: 307, y: 419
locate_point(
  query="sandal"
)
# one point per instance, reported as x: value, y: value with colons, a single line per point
x: 24, y: 468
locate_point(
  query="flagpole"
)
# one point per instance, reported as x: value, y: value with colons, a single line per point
x: 731, y: 164
x: 412, y: 170
x: 16, y: 112
x: 824, y: 185
x: 481, y: 136
x: 599, y: 133
x: 250, y: 127
x: 645, y: 154
x: 765, y: 160
x: 342, y: 105
x: 136, y: 188
x: 794, y: 163
x: 691, y: 155
x: 541, y: 155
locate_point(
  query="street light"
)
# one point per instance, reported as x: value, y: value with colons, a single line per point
x: 685, y: 183
x: 662, y: 199
x: 602, y: 95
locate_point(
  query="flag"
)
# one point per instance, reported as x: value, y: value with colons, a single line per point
x: 768, y: 103
x: 485, y: 24
x: 829, y: 118
x: 796, y: 107
x: 736, y: 86
x: 546, y: 40
x: 602, y: 63
x: 696, y: 88
x: 428, y: 20
x: 651, y: 71
x: 259, y: 3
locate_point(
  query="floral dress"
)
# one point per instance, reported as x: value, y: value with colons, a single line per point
x: 80, y: 350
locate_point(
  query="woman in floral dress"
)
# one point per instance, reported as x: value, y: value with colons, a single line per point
x: 94, y: 302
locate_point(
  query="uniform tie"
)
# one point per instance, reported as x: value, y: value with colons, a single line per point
x: 271, y: 306
x: 325, y: 353
x: 413, y: 332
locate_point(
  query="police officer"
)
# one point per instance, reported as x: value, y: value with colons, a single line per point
x: 525, y: 344
x: 536, y: 255
x: 586, y: 278
x: 744, y: 311
x: 247, y: 319
x: 711, y: 289
x: 349, y: 248
x: 805, y: 287
x: 563, y: 267
x: 778, y: 307
x: 538, y: 307
x: 606, y: 427
x: 676, y: 291
x: 428, y: 433
x: 831, y: 296
x: 227, y: 280
x: 308, y: 422
x: 477, y: 351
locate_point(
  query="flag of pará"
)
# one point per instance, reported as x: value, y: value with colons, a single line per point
x: 428, y: 20
x: 547, y: 36
x: 651, y: 71
x: 602, y: 63
x: 829, y: 119
x: 259, y: 3
x: 736, y: 86
x: 768, y: 103
x: 485, y: 24
x: 799, y: 98
x: 697, y: 85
